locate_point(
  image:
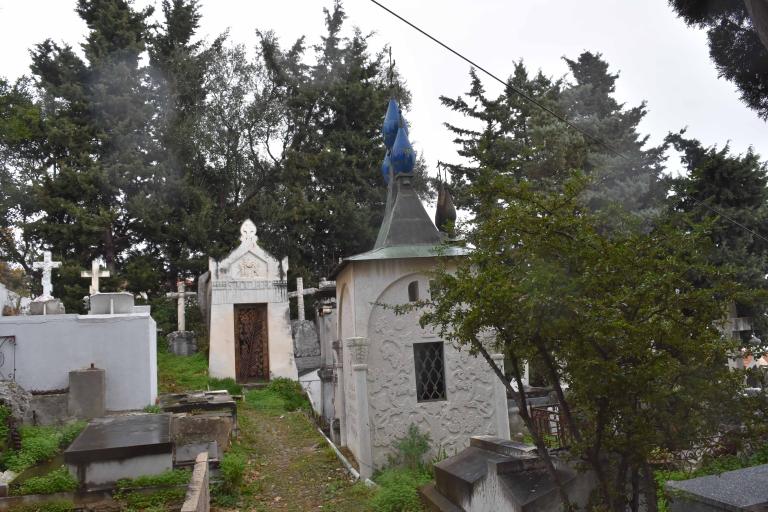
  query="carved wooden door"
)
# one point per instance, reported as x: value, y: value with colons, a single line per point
x: 251, y: 345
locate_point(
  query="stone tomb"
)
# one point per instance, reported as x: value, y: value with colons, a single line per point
x: 120, y: 447
x: 743, y: 489
x: 250, y: 329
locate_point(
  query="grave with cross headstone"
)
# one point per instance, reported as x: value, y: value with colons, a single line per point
x: 46, y: 304
x: 306, y: 343
x: 94, y: 274
x: 181, y: 342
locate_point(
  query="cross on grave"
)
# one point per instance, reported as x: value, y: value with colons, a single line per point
x: 299, y: 294
x: 47, y: 265
x: 94, y: 274
x: 180, y: 295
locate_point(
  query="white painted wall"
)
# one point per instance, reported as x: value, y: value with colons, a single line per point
x: 310, y: 382
x: 469, y: 409
x: 48, y: 347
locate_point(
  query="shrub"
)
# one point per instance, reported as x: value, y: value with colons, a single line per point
x: 413, y: 447
x: 70, y: 432
x: 398, y: 490
x: 58, y: 480
x: 290, y: 391
x: 232, y: 470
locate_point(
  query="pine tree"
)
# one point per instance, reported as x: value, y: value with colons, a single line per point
x: 174, y: 224
x: 719, y: 185
x: 96, y: 117
x: 519, y: 140
x: 734, y: 45
x: 331, y: 196
x: 627, y: 172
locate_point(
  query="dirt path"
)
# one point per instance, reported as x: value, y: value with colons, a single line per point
x: 290, y: 466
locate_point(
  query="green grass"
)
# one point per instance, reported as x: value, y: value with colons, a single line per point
x: 51, y: 506
x: 58, y: 480
x: 39, y: 444
x: 398, y: 490
x: 182, y: 373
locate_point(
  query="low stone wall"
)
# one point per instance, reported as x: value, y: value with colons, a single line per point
x: 198, y: 497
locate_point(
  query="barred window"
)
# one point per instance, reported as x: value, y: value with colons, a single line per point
x: 430, y: 371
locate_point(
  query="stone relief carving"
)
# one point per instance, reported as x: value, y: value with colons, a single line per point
x: 251, y: 267
x: 468, y: 411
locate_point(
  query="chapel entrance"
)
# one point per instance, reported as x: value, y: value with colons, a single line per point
x: 251, y: 342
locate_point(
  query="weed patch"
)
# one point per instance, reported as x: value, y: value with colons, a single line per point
x: 58, y: 480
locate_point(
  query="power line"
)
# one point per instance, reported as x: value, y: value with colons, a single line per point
x: 556, y: 115
x: 520, y: 92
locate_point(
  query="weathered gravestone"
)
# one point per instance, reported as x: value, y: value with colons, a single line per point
x: 181, y: 341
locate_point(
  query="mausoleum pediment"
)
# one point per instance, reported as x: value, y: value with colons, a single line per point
x: 249, y: 262
x: 249, y: 266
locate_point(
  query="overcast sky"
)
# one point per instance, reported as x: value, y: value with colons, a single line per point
x: 659, y: 59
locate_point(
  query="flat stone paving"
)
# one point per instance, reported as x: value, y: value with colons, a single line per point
x: 122, y: 437
x: 740, y: 488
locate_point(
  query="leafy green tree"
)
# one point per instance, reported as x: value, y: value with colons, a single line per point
x: 734, y: 44
x: 21, y: 138
x: 725, y: 190
x: 621, y: 324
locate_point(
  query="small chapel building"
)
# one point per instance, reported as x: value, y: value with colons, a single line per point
x: 250, y: 329
x: 389, y: 372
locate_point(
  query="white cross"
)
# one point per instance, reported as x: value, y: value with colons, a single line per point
x: 94, y: 274
x: 299, y: 294
x: 47, y: 265
x: 181, y: 295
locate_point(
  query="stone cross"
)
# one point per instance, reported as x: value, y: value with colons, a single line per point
x: 180, y: 295
x: 94, y: 274
x: 47, y: 265
x: 299, y: 294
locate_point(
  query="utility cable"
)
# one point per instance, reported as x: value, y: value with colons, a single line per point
x: 553, y: 113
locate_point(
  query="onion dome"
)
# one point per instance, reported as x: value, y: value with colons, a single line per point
x: 402, y: 156
x: 386, y: 167
x: 445, y: 213
x: 392, y: 122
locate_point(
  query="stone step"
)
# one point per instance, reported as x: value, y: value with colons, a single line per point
x: 249, y: 386
x: 435, y: 502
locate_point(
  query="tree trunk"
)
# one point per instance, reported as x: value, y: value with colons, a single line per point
x: 758, y: 11
x: 522, y: 405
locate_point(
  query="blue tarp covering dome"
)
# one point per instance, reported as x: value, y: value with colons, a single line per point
x: 402, y: 156
x: 385, y: 167
x: 391, y: 123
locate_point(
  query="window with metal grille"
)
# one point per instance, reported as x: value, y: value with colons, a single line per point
x: 430, y: 371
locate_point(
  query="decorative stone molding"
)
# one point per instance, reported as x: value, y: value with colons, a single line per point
x: 358, y: 348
